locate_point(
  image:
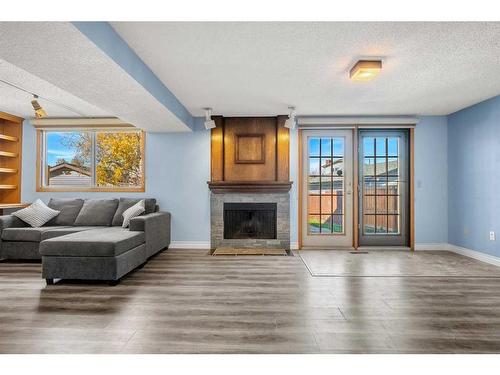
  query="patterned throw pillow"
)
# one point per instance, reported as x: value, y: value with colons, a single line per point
x: 37, y: 214
x: 136, y: 210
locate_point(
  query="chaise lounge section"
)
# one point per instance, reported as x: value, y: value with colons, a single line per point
x: 92, y: 245
x: 99, y: 254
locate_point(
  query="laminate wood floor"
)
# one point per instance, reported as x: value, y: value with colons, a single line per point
x: 397, y: 263
x: 185, y: 301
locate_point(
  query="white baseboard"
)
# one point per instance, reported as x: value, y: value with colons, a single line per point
x: 459, y: 250
x: 474, y: 254
x: 189, y: 245
x: 431, y: 246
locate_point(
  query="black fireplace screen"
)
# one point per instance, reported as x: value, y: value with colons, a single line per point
x: 249, y: 220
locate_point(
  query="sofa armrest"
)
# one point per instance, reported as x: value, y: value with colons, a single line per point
x: 11, y: 221
x: 156, y: 227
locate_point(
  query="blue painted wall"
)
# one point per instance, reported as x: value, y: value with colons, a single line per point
x: 294, y: 191
x: 474, y: 176
x: 431, y: 196
x: 177, y: 171
x: 178, y: 167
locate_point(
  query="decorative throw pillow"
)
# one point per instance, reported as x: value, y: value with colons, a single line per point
x: 37, y: 214
x: 136, y: 210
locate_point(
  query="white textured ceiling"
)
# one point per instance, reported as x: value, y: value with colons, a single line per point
x: 56, y: 102
x: 61, y: 55
x: 261, y: 68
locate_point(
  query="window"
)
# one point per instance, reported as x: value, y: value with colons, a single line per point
x: 326, y: 186
x: 89, y: 159
x: 381, y: 176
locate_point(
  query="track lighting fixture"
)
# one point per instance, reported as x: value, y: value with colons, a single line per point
x: 209, y: 123
x: 39, y: 111
x: 290, y: 122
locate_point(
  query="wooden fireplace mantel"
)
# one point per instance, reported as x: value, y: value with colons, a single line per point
x: 250, y: 155
x: 220, y: 187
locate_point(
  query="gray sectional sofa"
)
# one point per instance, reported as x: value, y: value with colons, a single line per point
x: 86, y: 240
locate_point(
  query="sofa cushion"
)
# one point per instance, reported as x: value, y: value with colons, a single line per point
x: 134, y: 211
x: 102, y: 242
x: 25, y: 234
x: 69, y: 209
x: 62, y: 231
x: 126, y: 203
x: 98, y: 212
x: 36, y: 214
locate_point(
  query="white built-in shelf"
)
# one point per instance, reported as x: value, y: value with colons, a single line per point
x: 8, y: 154
x: 7, y: 187
x: 8, y: 170
x: 5, y: 137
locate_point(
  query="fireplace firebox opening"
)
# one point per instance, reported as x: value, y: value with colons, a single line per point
x: 250, y: 220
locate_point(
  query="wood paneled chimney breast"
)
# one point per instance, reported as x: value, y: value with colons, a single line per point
x: 250, y: 154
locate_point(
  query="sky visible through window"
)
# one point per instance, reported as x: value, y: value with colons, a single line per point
x: 369, y: 146
x: 56, y: 150
x: 338, y: 148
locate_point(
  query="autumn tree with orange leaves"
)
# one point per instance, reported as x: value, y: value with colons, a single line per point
x: 118, y: 156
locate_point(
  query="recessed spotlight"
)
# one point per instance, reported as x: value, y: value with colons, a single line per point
x: 365, y: 70
x: 290, y: 122
x: 209, y: 123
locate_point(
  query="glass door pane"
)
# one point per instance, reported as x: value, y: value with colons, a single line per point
x: 383, y: 188
x: 380, y: 155
x: 325, y: 203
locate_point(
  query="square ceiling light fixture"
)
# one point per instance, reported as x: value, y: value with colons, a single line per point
x: 365, y: 70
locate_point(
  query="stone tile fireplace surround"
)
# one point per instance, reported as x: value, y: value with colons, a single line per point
x: 282, y: 201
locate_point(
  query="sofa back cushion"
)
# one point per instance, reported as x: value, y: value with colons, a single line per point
x: 97, y: 212
x: 69, y: 209
x: 126, y: 203
x: 36, y: 214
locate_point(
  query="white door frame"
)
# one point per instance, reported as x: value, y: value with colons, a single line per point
x: 327, y: 241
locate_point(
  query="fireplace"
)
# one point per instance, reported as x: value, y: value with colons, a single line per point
x: 249, y: 220
x: 250, y: 183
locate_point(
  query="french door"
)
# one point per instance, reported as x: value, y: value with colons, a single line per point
x: 327, y: 165
x: 384, y: 188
